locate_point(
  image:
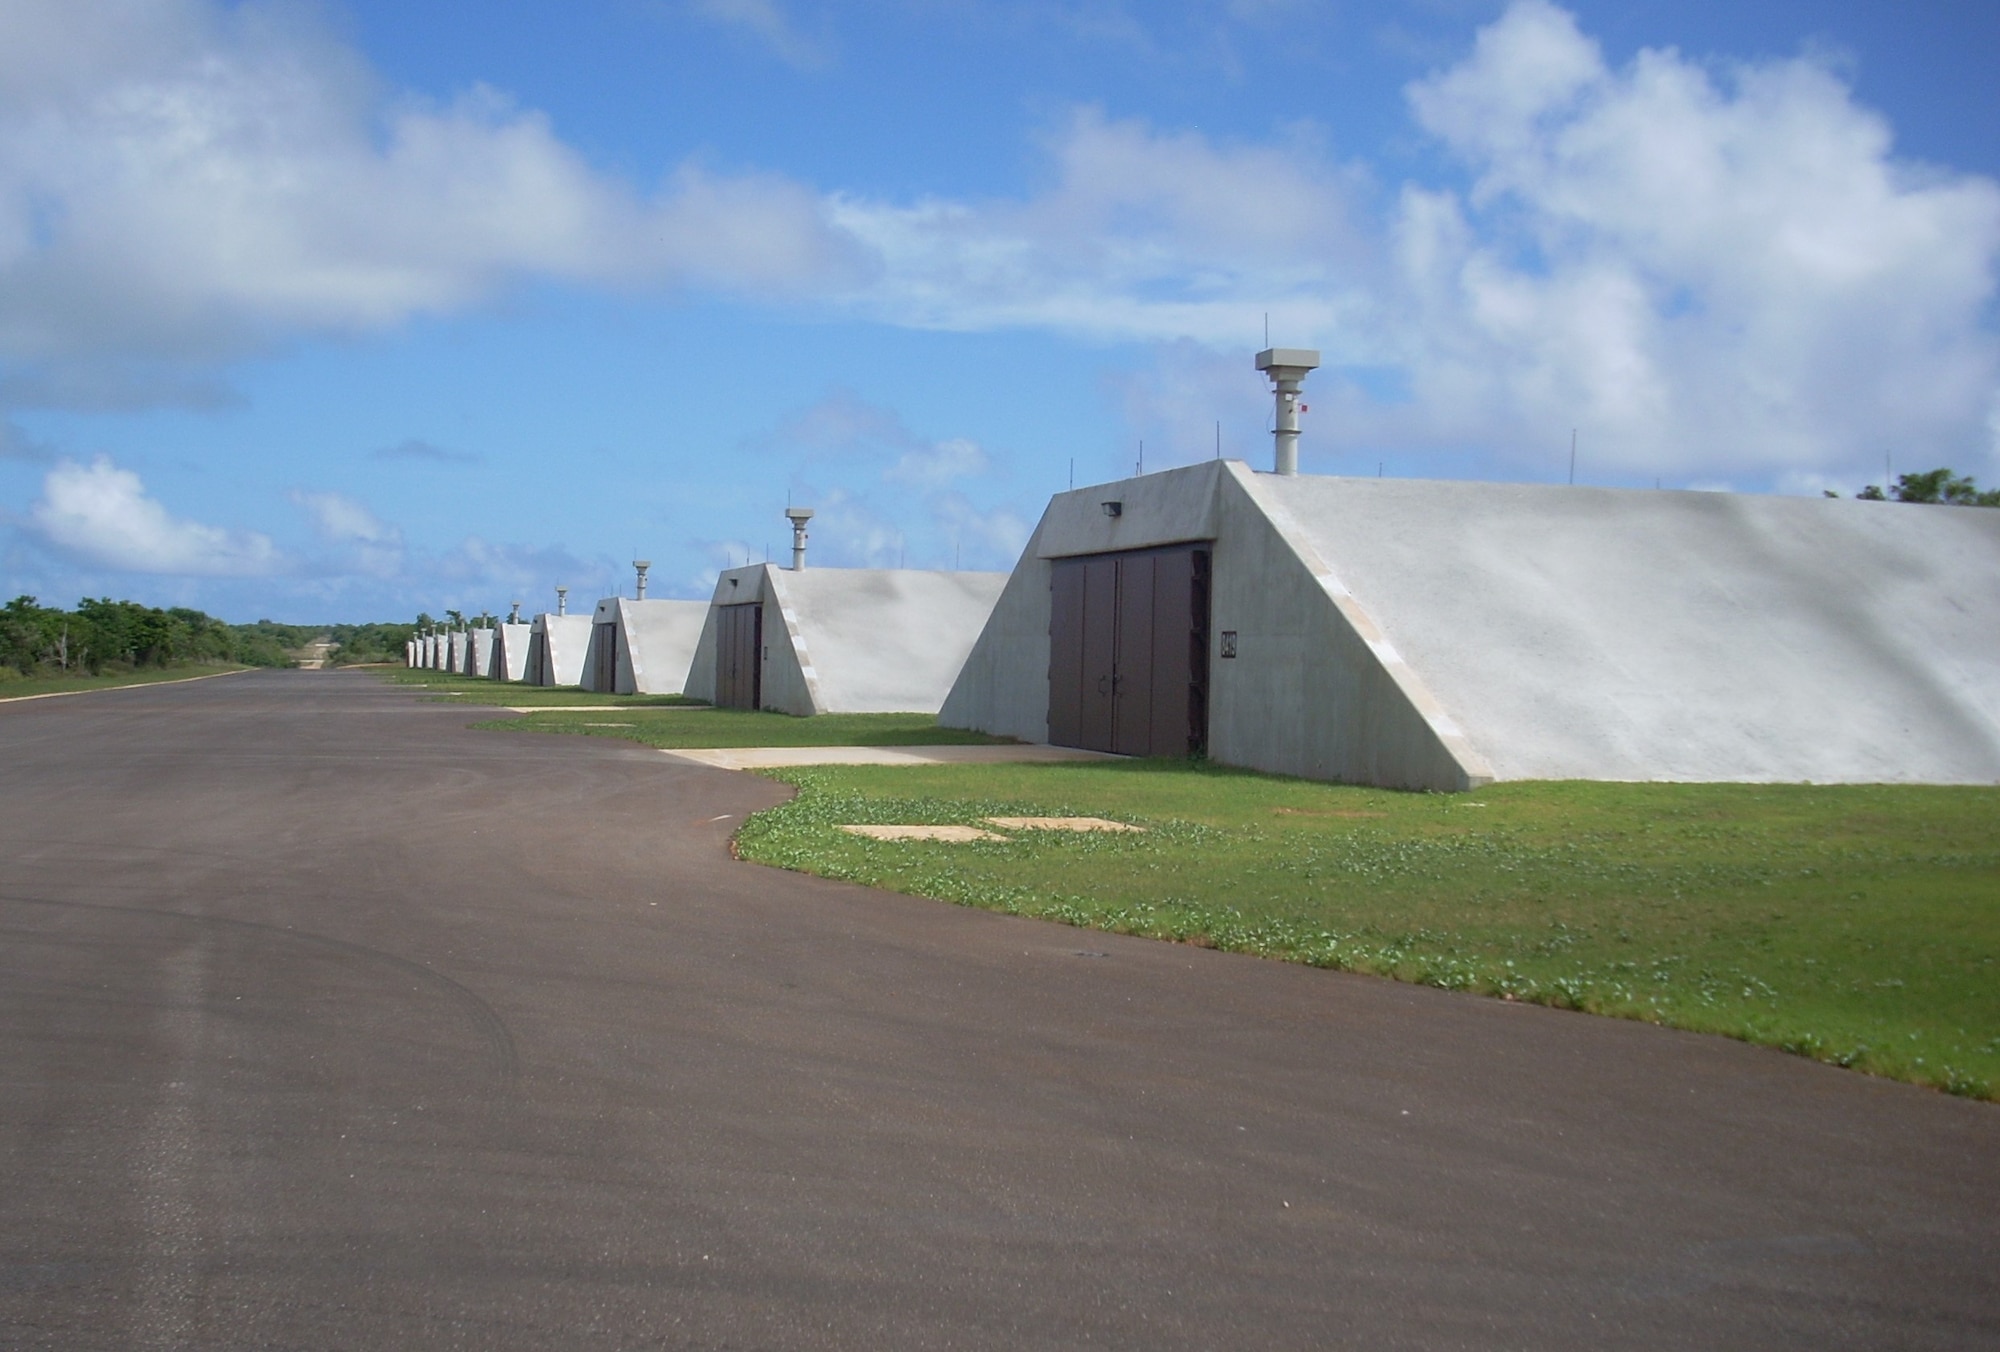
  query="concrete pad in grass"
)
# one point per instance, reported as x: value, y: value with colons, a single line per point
x: 955, y: 834
x: 772, y: 757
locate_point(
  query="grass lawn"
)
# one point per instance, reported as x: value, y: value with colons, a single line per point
x: 1859, y: 925
x: 698, y: 725
x: 58, y: 685
x: 477, y: 690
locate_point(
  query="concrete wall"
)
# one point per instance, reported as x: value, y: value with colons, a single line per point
x: 605, y: 612
x: 454, y: 652
x: 479, y: 653
x: 853, y: 640
x: 1432, y: 635
x: 510, y: 651
x: 1315, y: 689
x: 656, y: 644
x: 568, y: 638
x: 1003, y: 687
x: 735, y: 586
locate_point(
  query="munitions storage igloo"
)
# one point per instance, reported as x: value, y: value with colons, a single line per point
x: 642, y: 647
x: 838, y: 640
x: 1435, y: 635
x: 556, y: 645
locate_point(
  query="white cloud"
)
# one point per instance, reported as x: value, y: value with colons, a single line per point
x: 481, y: 569
x: 989, y: 540
x: 103, y: 514
x: 1175, y: 404
x: 770, y: 24
x: 179, y: 180
x: 844, y: 427
x: 1708, y: 271
x: 938, y: 464
x: 340, y: 518
x: 849, y: 532
x: 1142, y: 235
x: 367, y: 544
x: 1726, y: 272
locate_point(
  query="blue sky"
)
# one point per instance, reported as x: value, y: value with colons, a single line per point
x: 350, y: 310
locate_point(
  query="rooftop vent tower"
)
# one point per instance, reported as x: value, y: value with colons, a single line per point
x: 640, y: 566
x: 798, y: 516
x: 515, y: 618
x: 562, y: 600
x: 1287, y: 366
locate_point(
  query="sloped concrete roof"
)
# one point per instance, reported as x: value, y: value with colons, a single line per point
x: 656, y: 643
x: 885, y: 640
x: 1619, y: 634
x: 854, y: 640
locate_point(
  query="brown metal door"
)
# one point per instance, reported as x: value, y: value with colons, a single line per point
x: 1100, y: 654
x: 739, y: 637
x: 1128, y: 651
x: 605, y: 679
x: 1178, y: 716
x: 1132, y: 667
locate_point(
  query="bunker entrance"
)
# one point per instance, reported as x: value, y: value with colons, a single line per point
x: 605, y: 677
x: 1128, y: 651
x: 739, y: 642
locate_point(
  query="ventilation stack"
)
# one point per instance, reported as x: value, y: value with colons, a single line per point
x: 798, y: 516
x: 1287, y: 367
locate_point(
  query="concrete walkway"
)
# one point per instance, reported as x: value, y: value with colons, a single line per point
x: 770, y: 757
x: 326, y: 1021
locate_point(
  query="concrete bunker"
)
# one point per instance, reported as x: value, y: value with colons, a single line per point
x: 838, y: 640
x: 479, y: 653
x: 642, y: 647
x: 510, y: 651
x: 556, y: 647
x: 1434, y: 635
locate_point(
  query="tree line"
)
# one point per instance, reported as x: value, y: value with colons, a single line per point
x: 105, y: 636
x: 1942, y: 486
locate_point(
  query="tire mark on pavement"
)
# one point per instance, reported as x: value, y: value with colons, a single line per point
x: 503, y: 1057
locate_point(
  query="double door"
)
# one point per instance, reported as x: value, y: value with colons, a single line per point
x: 604, y: 679
x: 1128, y: 651
x: 739, y: 644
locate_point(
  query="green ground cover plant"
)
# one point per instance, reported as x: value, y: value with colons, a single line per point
x: 1858, y: 925
x: 699, y: 725
x: 478, y: 690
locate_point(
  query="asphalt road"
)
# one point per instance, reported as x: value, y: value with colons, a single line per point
x: 327, y: 1023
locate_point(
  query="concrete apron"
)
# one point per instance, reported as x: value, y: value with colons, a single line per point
x: 770, y: 757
